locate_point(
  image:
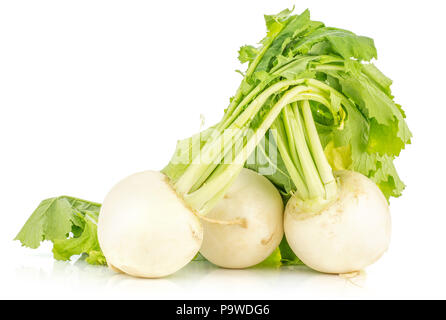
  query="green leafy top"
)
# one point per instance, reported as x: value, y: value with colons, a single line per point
x: 359, y: 124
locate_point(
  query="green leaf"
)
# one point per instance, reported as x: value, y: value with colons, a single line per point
x: 52, y: 220
x: 342, y: 42
x: 275, y: 22
x: 266, y: 160
x: 70, y: 223
x: 340, y: 158
x: 288, y: 257
x: 96, y: 258
x: 274, y: 260
x: 86, y: 243
x: 284, y: 28
x: 388, y: 130
x: 384, y: 83
x: 387, y: 178
x: 247, y: 53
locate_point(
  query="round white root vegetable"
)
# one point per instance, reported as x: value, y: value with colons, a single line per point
x: 253, y: 202
x: 348, y: 235
x: 145, y: 230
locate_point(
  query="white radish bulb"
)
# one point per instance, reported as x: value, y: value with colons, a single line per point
x: 255, y: 203
x: 348, y: 235
x: 145, y: 230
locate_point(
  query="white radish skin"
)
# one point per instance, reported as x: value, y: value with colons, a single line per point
x: 253, y: 201
x: 348, y: 235
x: 145, y: 230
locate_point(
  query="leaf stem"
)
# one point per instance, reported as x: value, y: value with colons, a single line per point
x: 311, y: 174
x: 323, y: 167
x: 213, y: 152
x: 223, y: 175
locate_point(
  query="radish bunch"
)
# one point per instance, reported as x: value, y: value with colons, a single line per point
x: 305, y: 148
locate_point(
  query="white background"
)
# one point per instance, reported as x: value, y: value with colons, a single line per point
x: 92, y: 91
